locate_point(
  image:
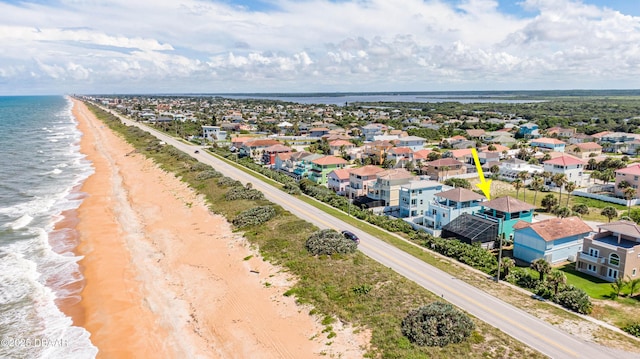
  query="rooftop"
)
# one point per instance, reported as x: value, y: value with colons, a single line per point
x: 628, y: 228
x: 631, y: 170
x: 556, y: 228
x: 508, y: 204
x: 460, y: 194
x: 329, y: 160
x: 565, y: 160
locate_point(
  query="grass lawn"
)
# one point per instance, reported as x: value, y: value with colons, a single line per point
x: 595, y: 287
x: 501, y: 188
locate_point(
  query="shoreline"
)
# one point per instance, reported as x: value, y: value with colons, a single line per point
x: 164, y: 277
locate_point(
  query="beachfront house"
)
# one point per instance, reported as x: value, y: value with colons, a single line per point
x: 415, y: 197
x: 448, y: 205
x: 554, y: 240
x: 612, y: 252
x: 361, y: 179
x: 322, y: 166
x: 572, y: 167
x: 338, y: 180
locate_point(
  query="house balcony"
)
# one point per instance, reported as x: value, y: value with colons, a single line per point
x: 589, y: 258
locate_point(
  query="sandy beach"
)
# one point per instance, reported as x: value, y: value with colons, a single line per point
x: 165, y: 278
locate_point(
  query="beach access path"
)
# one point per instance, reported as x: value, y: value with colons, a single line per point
x: 166, y: 278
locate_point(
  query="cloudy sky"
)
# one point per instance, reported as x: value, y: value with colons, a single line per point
x: 225, y: 46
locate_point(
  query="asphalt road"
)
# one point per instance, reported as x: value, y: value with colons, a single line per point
x: 522, y: 326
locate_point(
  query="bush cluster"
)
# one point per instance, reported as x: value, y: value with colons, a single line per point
x: 254, y: 216
x: 329, y: 242
x: 238, y: 192
x: 199, y: 167
x: 633, y: 329
x: 575, y: 299
x: 472, y: 255
x: 522, y: 278
x: 437, y: 324
x: 229, y: 182
x: 205, y: 175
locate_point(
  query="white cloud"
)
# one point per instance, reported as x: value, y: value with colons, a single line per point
x: 313, y: 45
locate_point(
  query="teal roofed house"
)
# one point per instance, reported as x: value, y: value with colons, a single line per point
x: 507, y: 211
x: 495, y: 218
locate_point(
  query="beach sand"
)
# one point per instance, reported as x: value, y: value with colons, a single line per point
x: 165, y: 278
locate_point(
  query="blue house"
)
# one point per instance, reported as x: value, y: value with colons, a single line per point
x: 555, y: 240
x: 415, y: 196
x: 529, y: 130
x: 448, y: 205
x: 495, y: 219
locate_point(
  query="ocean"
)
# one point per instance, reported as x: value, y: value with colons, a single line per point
x: 42, y: 171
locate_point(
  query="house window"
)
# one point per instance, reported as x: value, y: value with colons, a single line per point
x: 633, y: 272
x: 614, y: 259
x: 594, y: 252
x: 591, y: 268
x: 421, y: 201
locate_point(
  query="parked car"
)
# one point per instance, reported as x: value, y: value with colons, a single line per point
x: 351, y: 236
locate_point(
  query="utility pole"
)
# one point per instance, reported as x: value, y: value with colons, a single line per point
x: 499, y: 258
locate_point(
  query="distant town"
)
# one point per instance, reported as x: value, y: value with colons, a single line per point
x: 415, y: 162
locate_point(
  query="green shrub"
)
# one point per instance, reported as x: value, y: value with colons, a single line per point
x: 205, y: 175
x: 522, y: 278
x: 437, y: 324
x: 237, y: 192
x: 328, y: 242
x: 633, y: 329
x: 199, y: 167
x: 575, y: 299
x: 254, y: 216
x: 581, y: 208
x: 228, y: 182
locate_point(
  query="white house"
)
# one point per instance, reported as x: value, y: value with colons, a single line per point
x: 214, y: 133
x: 413, y: 142
x: 571, y: 167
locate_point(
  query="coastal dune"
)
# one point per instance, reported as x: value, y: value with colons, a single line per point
x: 164, y: 277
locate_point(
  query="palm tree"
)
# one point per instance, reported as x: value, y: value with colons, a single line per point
x: 446, y: 171
x: 595, y: 174
x: 507, y: 264
x: 618, y: 286
x: 570, y: 187
x: 555, y: 278
x: 524, y: 176
x: 549, y: 201
x: 633, y: 285
x: 517, y: 184
x: 592, y: 163
x: 536, y: 185
x: 495, y: 169
x: 541, y: 266
x: 609, y: 212
x: 629, y: 193
x: 546, y: 175
x: 562, y: 212
x: 559, y: 179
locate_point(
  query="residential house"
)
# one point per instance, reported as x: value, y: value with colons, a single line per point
x: 415, y: 143
x: 584, y: 150
x: 464, y: 155
x: 612, y: 252
x: 371, y: 130
x: 630, y: 175
x: 214, y: 133
x: 616, y: 141
x: 269, y: 154
x: 386, y: 189
x: 495, y: 219
x: 318, y: 132
x: 572, y: 167
x: 558, y: 131
x: 322, y: 166
x: 255, y: 148
x: 376, y: 150
x: 546, y: 143
x: 500, y: 137
x: 303, y: 164
x: 415, y: 197
x: 448, y: 205
x: 338, y: 146
x: 633, y: 148
x: 476, y: 134
x: 338, y: 180
x: 580, y: 137
x: 529, y: 130
x: 238, y: 142
x: 283, y: 162
x: 443, y: 168
x: 361, y: 179
x: 400, y: 155
x: 510, y: 169
x: 554, y: 240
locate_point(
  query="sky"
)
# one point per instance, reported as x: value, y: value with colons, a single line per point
x: 266, y: 46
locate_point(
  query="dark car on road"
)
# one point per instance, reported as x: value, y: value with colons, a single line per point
x: 351, y: 236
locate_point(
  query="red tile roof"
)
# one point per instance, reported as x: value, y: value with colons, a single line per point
x: 556, y: 228
x: 508, y: 204
x: 460, y: 194
x: 552, y: 141
x: 401, y: 150
x: 367, y: 170
x: 588, y: 146
x: 342, y: 173
x: 634, y: 169
x: 261, y: 143
x: 565, y: 160
x: 329, y: 160
x: 339, y: 143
